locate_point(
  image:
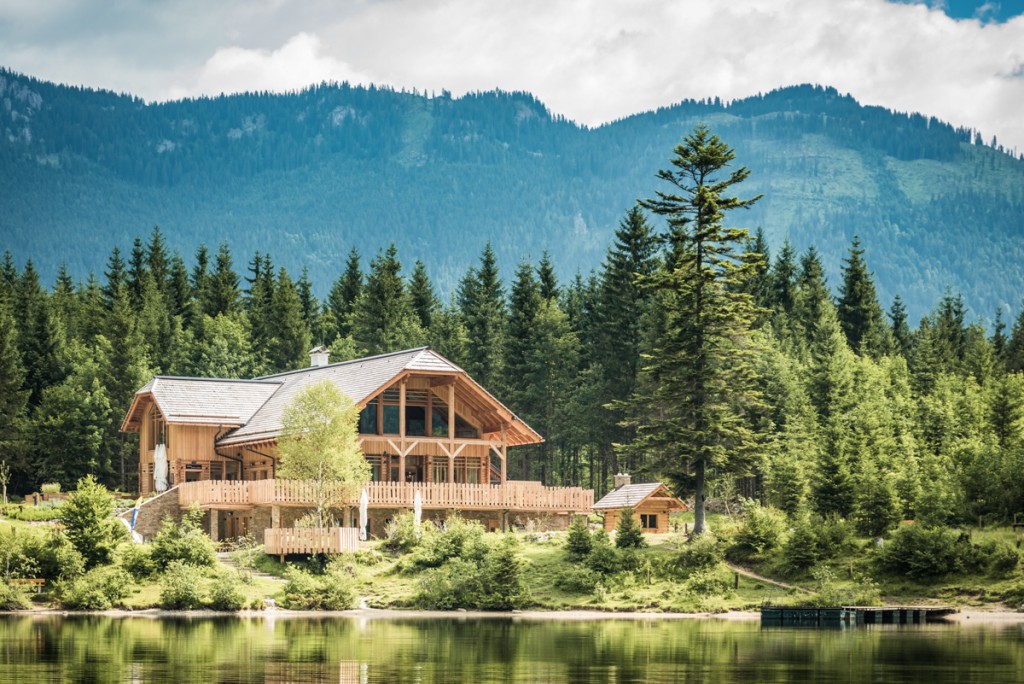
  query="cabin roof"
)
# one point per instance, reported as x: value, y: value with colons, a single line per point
x: 256, y: 407
x: 200, y: 401
x: 635, y: 494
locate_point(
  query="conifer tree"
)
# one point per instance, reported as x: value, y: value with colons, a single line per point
x: 115, y: 278
x: 701, y: 370
x: 222, y: 293
x: 482, y: 302
x: 344, y: 295
x: 546, y: 278
x: 628, y: 533
x: 999, y: 340
x: 384, y: 320
x: 310, y: 307
x: 157, y: 260
x: 1015, y: 346
x: 760, y: 284
x: 784, y: 279
x: 900, y: 328
x: 289, y: 341
x: 859, y: 312
x: 13, y: 399
x: 137, y: 271
x: 200, y: 278
x: 523, y: 304
x: 178, y: 292
x: 421, y: 292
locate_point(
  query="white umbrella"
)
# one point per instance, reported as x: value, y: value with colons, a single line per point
x: 160, y: 467
x: 417, y: 511
x: 364, y: 504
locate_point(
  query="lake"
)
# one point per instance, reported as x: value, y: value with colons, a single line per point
x: 139, y: 649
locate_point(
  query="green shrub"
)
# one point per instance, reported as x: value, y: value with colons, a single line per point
x: 99, y: 589
x: 579, y: 541
x: 185, y: 541
x: 19, y: 553
x: 137, y: 560
x: 700, y: 553
x: 577, y: 579
x: 88, y: 519
x: 921, y: 552
x: 834, y: 534
x: 456, y: 584
x: 226, y: 592
x: 180, y: 588
x: 802, y: 549
x: 45, y: 512
x: 459, y: 539
x: 400, y: 534
x: 706, y: 583
x: 1002, y: 558
x: 13, y: 598
x: 604, y: 559
x: 50, y: 488
x: 762, y: 529
x: 334, y: 590
x: 628, y: 533
x: 503, y: 586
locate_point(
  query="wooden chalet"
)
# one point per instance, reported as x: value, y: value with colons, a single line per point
x: 652, y: 503
x: 424, y: 425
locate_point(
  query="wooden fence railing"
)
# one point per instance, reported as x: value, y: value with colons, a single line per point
x: 513, y: 495
x: 282, y: 541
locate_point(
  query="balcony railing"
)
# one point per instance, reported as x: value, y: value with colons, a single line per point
x: 283, y: 541
x: 512, y: 496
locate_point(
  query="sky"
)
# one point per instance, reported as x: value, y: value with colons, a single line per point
x: 592, y: 61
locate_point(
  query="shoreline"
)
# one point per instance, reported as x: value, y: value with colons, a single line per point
x: 968, y: 616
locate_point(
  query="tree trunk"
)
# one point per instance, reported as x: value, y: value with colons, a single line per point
x: 698, y: 499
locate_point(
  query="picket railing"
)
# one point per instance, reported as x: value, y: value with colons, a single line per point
x: 282, y: 541
x: 513, y: 495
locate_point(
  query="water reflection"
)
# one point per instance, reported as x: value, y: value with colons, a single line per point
x: 104, y: 649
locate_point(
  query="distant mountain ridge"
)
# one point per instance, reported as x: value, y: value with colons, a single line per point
x: 307, y: 175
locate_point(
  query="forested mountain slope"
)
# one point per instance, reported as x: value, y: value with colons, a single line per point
x: 308, y: 175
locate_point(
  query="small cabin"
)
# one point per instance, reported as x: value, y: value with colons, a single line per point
x: 652, y: 503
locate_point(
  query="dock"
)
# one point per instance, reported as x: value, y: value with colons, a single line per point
x: 841, y: 616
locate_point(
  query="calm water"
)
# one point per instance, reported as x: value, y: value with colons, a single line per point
x: 101, y: 649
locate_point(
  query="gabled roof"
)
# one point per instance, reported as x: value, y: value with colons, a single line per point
x: 201, y: 401
x: 632, y: 495
x: 256, y: 407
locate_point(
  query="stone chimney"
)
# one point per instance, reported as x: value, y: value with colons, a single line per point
x: 622, y: 480
x: 318, y: 356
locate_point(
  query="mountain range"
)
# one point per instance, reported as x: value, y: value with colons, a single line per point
x: 307, y: 175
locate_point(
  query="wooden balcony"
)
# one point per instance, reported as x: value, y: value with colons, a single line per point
x: 283, y: 541
x: 511, y: 496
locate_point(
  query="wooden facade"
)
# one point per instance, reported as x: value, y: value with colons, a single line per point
x: 652, y: 505
x: 428, y: 428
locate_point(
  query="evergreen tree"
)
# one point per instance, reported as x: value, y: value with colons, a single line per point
x: 860, y: 315
x: 784, y: 279
x: 482, y: 302
x: 702, y: 375
x: 628, y: 533
x: 221, y: 296
x: 344, y: 295
x: 579, y: 542
x: 137, y: 271
x: 200, y: 279
x: 289, y: 341
x: 999, y: 340
x: 447, y: 334
x: 115, y: 278
x: 384, y: 320
x: 13, y: 402
x: 1015, y: 346
x: 523, y: 304
x: 178, y: 293
x: 310, y: 307
x: 760, y: 284
x: 157, y: 260
x: 421, y: 292
x: 900, y: 329
x: 546, y: 278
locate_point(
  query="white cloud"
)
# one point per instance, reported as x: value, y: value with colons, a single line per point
x: 592, y: 60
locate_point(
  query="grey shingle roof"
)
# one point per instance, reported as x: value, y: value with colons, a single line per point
x: 627, y: 495
x: 358, y: 379
x: 202, y: 400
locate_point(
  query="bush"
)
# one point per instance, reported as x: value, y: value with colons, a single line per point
x: 459, y: 539
x: 19, y: 553
x: 1002, y: 558
x: 579, y: 542
x: 137, y: 560
x: 921, y: 552
x: 706, y: 583
x: 226, y: 592
x: 834, y: 535
x: 88, y: 519
x: 185, y: 542
x: 577, y: 579
x: 456, y: 584
x: 50, y: 488
x: 13, y: 598
x: 334, y: 590
x: 400, y: 533
x: 604, y: 559
x: 99, y: 589
x: 762, y: 529
x: 700, y: 553
x: 801, y: 550
x: 43, y: 513
x: 503, y: 587
x: 180, y: 590
x: 628, y: 533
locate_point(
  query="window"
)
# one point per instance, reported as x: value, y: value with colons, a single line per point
x: 391, y: 415
x: 439, y: 422
x: 376, y: 467
x: 216, y: 470
x: 157, y: 429
x: 368, y: 419
x: 649, y: 521
x: 439, y: 470
x: 415, y: 421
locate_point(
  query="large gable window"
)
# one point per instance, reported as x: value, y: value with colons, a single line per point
x: 158, y: 431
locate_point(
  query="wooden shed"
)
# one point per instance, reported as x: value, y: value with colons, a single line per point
x: 652, y: 503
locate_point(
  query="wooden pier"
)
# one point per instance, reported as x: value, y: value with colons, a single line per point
x: 841, y: 616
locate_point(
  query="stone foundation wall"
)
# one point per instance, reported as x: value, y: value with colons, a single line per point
x: 153, y: 511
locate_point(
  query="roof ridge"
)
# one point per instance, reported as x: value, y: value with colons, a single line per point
x: 255, y: 381
x: 341, y: 363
